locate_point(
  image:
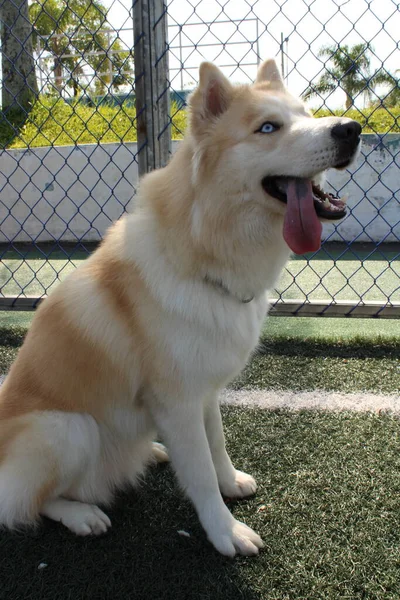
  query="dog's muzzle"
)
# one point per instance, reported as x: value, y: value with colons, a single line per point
x: 347, y: 139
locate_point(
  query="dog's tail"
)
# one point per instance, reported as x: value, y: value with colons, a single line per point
x: 27, y: 471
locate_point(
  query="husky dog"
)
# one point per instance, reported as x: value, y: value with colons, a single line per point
x: 141, y: 338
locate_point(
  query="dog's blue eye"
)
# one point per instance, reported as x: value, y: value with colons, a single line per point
x: 268, y: 127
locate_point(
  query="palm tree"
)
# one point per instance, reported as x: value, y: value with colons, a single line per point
x: 350, y: 71
x: 391, y: 96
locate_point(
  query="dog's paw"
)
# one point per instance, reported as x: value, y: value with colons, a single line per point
x: 241, y: 486
x: 239, y: 540
x: 159, y: 452
x: 86, y: 519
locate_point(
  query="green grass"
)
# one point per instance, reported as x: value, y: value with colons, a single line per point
x: 330, y: 330
x: 295, y: 365
x: 327, y: 507
x: 372, y: 119
x: 340, y: 355
x: 345, y: 274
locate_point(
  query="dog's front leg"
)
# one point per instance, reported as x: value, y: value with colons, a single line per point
x: 181, y: 424
x: 232, y: 483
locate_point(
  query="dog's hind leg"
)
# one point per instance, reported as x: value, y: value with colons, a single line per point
x: 43, y: 457
x: 159, y: 452
x: 81, y: 518
x: 28, y: 473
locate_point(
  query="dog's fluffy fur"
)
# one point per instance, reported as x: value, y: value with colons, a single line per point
x: 142, y: 336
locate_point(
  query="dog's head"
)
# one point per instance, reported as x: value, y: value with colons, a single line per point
x: 258, y: 143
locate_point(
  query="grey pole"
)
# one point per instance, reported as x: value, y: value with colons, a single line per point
x: 151, y: 84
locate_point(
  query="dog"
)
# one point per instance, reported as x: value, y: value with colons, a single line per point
x: 139, y: 340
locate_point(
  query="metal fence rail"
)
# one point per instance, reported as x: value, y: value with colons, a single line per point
x: 93, y: 92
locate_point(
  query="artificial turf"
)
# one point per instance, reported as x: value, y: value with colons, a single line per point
x: 328, y: 508
x: 344, y: 366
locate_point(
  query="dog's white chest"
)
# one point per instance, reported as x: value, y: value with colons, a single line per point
x: 215, y: 345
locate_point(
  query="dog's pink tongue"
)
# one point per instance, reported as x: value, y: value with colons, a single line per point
x: 301, y: 229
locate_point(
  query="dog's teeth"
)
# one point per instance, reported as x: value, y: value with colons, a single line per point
x: 345, y: 198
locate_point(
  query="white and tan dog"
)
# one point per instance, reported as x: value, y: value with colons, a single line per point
x: 142, y: 336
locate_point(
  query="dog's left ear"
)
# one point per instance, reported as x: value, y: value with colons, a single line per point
x: 211, y: 98
x: 268, y: 72
x: 215, y: 89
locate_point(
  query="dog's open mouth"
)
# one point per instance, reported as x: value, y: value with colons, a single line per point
x: 307, y: 203
x: 327, y: 206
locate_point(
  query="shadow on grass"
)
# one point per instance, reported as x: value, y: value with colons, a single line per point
x: 142, y: 556
x: 327, y: 507
x: 13, y: 336
x: 312, y: 348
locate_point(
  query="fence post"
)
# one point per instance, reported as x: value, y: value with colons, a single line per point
x: 151, y: 84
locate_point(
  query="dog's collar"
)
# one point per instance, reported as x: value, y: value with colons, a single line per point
x: 217, y: 283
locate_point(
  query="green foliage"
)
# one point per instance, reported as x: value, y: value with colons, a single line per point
x: 179, y: 121
x: 373, y: 120
x: 53, y: 121
x: 391, y: 95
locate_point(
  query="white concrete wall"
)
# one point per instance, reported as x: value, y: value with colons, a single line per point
x: 69, y: 193
x: 65, y: 193
x: 373, y: 186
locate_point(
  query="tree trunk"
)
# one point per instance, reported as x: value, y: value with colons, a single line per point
x: 75, y: 86
x: 58, y: 74
x: 19, y: 89
x: 349, y: 100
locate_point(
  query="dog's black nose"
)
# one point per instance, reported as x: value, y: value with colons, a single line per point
x: 346, y: 132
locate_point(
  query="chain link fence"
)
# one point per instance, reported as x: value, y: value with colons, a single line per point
x: 94, y: 95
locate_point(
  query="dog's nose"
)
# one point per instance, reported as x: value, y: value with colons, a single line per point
x: 346, y: 132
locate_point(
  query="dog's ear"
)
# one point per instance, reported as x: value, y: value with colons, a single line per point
x: 215, y: 88
x: 268, y: 72
x: 211, y: 98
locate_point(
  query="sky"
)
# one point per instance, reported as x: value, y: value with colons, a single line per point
x: 238, y: 34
